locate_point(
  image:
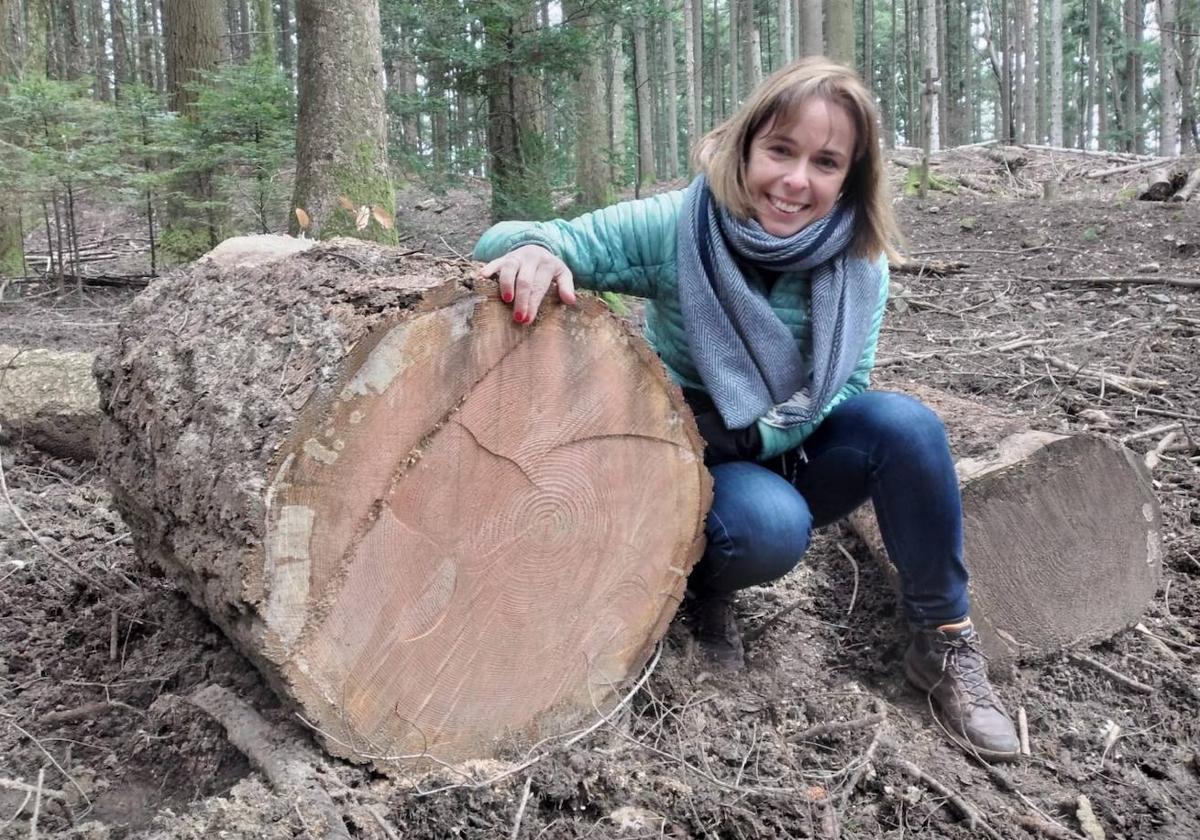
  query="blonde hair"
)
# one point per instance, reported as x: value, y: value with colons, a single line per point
x: 723, y: 153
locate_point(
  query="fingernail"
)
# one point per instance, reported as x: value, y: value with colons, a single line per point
x: 517, y: 317
x: 506, y: 297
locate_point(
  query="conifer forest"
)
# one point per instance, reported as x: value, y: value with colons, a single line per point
x: 235, y: 263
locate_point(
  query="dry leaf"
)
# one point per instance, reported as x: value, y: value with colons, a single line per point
x: 346, y: 203
x: 303, y: 219
x: 383, y: 217
x: 364, y: 216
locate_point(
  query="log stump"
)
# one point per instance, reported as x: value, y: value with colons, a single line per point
x: 48, y: 399
x: 432, y: 529
x: 1061, y: 533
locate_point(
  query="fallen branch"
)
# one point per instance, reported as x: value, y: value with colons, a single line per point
x: 975, y: 820
x: 835, y: 727
x: 1113, y: 379
x: 87, y: 710
x: 285, y: 762
x: 1115, y: 676
x: 1188, y: 190
x: 1125, y: 279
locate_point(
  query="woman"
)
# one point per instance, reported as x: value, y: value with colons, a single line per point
x: 765, y: 284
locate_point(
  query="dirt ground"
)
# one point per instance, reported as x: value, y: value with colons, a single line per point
x: 96, y: 648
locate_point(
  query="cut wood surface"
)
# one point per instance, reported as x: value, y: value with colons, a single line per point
x: 48, y: 398
x: 1062, y: 533
x: 434, y: 530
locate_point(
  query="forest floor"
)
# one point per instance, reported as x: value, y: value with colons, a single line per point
x: 96, y: 648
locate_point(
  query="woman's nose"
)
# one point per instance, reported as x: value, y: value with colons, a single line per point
x: 797, y: 175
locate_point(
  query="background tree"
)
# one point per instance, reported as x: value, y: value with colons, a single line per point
x: 341, y: 143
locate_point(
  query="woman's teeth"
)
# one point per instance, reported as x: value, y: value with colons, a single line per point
x: 783, y: 206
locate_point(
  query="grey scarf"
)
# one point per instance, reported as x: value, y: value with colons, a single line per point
x: 746, y: 357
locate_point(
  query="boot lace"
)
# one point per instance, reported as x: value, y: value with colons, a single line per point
x: 964, y: 660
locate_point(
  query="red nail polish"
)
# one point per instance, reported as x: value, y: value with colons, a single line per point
x: 506, y: 297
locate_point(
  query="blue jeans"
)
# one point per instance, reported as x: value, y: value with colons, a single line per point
x: 881, y: 446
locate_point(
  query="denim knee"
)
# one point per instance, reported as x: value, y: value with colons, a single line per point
x: 758, y: 528
x: 903, y: 424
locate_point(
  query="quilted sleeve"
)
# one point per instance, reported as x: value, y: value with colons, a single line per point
x: 621, y: 248
x: 777, y: 441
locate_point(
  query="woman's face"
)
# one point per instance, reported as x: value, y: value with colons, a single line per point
x: 796, y: 170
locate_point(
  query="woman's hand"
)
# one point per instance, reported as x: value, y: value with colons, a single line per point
x: 525, y: 276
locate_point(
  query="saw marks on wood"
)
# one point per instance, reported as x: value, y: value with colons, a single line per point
x: 490, y: 514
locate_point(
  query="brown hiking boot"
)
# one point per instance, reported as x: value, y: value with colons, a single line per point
x: 715, y: 629
x: 947, y: 663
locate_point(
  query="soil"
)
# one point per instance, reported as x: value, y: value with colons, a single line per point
x: 97, y: 648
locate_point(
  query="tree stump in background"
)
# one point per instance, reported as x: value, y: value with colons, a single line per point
x: 431, y: 529
x: 1061, y: 532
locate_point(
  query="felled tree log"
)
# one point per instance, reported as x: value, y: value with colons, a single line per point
x: 1061, y: 532
x: 48, y: 398
x: 432, y: 529
x: 1159, y: 187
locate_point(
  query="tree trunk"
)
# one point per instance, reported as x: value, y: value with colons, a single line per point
x: 698, y: 78
x: 285, y: 38
x: 786, y: 32
x: 672, y: 98
x: 264, y: 28
x: 48, y: 399
x: 929, y: 33
x: 1189, y: 18
x: 516, y: 146
x: 813, y: 29
x: 749, y: 49
x: 1062, y: 533
x: 195, y: 39
x: 645, y: 119
x: 839, y: 30
x: 1168, y: 123
x: 341, y: 137
x: 592, y: 183
x: 424, y: 560
x: 689, y: 72
x: 71, y: 20
x: 1056, y: 73
x: 1139, y: 79
x: 122, y: 63
x: 1029, y: 78
x: 99, y: 51
x: 146, y: 41
x: 616, y: 105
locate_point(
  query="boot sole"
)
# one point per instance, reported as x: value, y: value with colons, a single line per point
x: 914, y: 679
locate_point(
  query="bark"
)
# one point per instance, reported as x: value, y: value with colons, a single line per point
x: 419, y: 557
x: 812, y: 29
x: 1159, y: 186
x: 641, y: 75
x: 786, y: 32
x: 1139, y: 79
x: 1188, y: 191
x: 341, y: 136
x: 698, y: 75
x: 1189, y: 16
x: 1062, y: 533
x: 48, y: 398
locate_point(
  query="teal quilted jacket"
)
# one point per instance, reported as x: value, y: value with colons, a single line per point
x: 630, y: 248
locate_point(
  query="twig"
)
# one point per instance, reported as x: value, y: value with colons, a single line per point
x: 114, y: 634
x: 382, y: 823
x: 835, y: 727
x: 1052, y: 830
x: 854, y: 565
x: 867, y: 757
x: 1115, y: 676
x: 516, y: 829
x: 1120, y: 280
x: 754, y: 633
x: 87, y: 802
x: 1153, y: 432
x: 1023, y: 730
x: 974, y: 820
x: 87, y: 710
x: 37, y: 804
